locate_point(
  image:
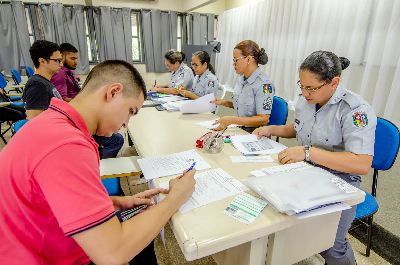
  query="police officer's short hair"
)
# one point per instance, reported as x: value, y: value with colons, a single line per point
x: 42, y: 49
x: 67, y: 47
x: 251, y: 48
x: 116, y: 71
x: 325, y: 64
x: 174, y: 56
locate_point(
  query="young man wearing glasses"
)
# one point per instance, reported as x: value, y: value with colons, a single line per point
x: 39, y: 90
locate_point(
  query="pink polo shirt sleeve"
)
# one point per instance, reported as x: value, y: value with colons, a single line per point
x: 69, y: 178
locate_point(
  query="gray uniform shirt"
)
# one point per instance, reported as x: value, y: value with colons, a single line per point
x: 254, y: 95
x: 205, y: 84
x: 183, y: 76
x: 346, y: 123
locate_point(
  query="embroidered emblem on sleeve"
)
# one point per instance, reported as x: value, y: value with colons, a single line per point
x: 181, y: 75
x: 210, y: 83
x: 360, y: 119
x: 267, y: 104
x: 267, y: 88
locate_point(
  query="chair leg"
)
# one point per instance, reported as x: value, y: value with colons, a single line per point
x: 369, y: 236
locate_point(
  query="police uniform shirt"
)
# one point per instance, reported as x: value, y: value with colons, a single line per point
x: 183, y: 76
x: 205, y: 84
x: 346, y: 123
x: 253, y: 95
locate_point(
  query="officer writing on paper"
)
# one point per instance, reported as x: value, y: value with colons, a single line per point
x: 181, y: 74
x: 205, y: 81
x: 253, y: 91
x: 335, y: 129
x: 52, y: 213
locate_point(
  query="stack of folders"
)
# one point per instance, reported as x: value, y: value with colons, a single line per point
x: 300, y: 187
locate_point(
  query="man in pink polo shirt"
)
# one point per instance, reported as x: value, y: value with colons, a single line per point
x: 55, y: 213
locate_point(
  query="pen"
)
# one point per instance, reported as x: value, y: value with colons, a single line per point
x: 155, y: 83
x: 192, y: 166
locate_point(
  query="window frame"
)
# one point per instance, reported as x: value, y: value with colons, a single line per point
x: 138, y: 37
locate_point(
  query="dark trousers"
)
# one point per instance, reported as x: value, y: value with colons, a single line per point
x: 109, y: 146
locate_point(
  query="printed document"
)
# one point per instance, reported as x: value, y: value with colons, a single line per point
x: 167, y: 165
x: 249, y: 145
x: 211, y: 185
x: 200, y: 105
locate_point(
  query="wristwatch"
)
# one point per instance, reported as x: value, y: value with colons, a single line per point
x: 307, y: 152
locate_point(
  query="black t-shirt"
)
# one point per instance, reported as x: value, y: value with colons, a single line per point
x: 38, y: 93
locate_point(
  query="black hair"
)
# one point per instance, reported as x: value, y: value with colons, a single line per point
x: 174, y: 56
x: 250, y: 48
x: 67, y: 47
x: 204, y: 57
x: 116, y: 71
x: 325, y: 64
x: 42, y: 49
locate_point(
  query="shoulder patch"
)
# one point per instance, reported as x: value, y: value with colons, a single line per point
x: 210, y: 83
x: 360, y: 119
x: 267, y: 104
x: 267, y: 88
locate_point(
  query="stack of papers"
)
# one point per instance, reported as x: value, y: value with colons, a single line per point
x: 251, y: 159
x: 210, y: 124
x: 175, y: 105
x: 249, y: 145
x: 170, y: 98
x: 301, y: 188
x: 200, y: 105
x: 173, y: 164
x: 211, y: 185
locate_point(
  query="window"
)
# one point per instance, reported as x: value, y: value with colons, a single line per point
x: 30, y: 27
x: 137, y: 55
x: 179, y: 33
x: 90, y: 41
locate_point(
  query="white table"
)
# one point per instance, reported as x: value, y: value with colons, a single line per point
x: 273, y: 238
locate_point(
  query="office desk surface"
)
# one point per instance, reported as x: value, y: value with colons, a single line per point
x: 207, y: 230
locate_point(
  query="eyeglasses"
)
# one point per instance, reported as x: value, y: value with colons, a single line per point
x: 235, y: 60
x: 56, y: 60
x: 311, y: 89
x: 195, y: 65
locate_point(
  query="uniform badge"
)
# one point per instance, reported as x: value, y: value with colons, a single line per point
x: 181, y: 75
x: 267, y: 104
x: 267, y: 88
x: 360, y: 119
x: 210, y: 83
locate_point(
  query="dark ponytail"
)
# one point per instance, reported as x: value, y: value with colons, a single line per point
x: 204, y: 57
x: 174, y: 56
x: 325, y: 64
x: 250, y: 48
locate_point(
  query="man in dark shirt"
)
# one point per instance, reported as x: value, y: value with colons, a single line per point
x: 39, y: 90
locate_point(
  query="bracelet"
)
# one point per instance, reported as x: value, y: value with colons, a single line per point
x: 307, y: 149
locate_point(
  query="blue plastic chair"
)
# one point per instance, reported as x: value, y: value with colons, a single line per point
x: 15, y: 76
x: 279, y: 112
x: 3, y: 84
x: 387, y: 139
x: 29, y: 71
x: 17, y: 125
x: 112, y: 186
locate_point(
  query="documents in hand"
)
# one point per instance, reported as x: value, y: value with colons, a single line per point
x: 211, y: 185
x: 116, y: 166
x: 200, y: 105
x: 210, y: 124
x: 249, y: 145
x: 167, y: 165
x: 301, y: 188
x: 245, y: 208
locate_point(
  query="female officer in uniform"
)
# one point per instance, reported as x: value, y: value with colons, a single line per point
x: 253, y: 91
x: 205, y: 81
x: 182, y: 75
x: 335, y: 129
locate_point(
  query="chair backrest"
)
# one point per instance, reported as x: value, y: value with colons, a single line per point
x: 279, y: 112
x: 3, y: 81
x: 15, y: 76
x: 387, y: 139
x: 17, y: 125
x: 29, y: 71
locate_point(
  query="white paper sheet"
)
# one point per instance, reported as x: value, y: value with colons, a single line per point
x: 251, y: 159
x: 323, y: 210
x: 200, y: 105
x: 279, y: 169
x: 245, y: 208
x: 210, y: 124
x: 118, y: 165
x: 176, y: 105
x: 167, y: 165
x: 171, y: 98
x: 211, y: 185
x: 250, y: 145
